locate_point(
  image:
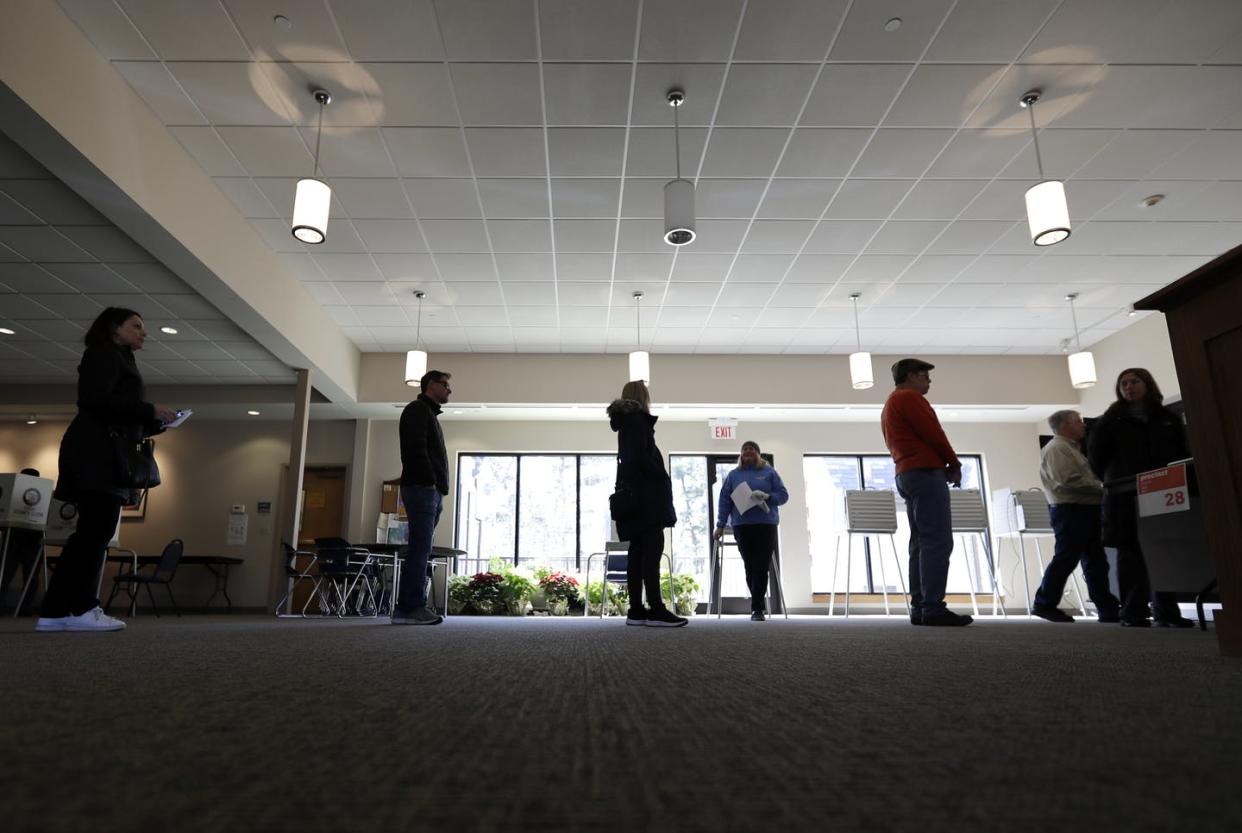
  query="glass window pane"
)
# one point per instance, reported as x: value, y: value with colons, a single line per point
x: 486, y: 509
x: 827, y: 479
x: 547, y: 522
x: 691, y: 535
x: 598, y: 473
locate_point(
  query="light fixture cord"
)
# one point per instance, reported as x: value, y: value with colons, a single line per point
x: 318, y: 136
x: 638, y: 321
x: 677, y: 138
x: 1039, y: 162
x: 1074, y: 316
x: 418, y: 333
x: 857, y: 331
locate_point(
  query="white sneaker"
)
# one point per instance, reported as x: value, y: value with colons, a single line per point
x: 51, y: 623
x: 93, y: 620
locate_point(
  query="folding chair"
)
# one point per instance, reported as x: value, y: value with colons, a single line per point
x: 616, y: 560
x: 296, y: 576
x: 715, y: 568
x: 165, y: 570
x: 869, y: 513
x: 969, y: 519
x: 349, y: 578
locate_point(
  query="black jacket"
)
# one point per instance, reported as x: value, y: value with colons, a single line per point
x: 424, y: 460
x: 640, y: 467
x: 1120, y: 446
x: 111, y: 397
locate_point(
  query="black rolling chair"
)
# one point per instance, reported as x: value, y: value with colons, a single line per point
x: 164, y: 572
x: 296, y: 575
x: 350, y: 577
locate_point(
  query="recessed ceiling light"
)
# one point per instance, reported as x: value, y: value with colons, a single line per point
x: 282, y: 22
x: 1149, y: 201
x: 172, y: 331
x: 893, y: 25
x: 6, y: 331
x: 253, y: 413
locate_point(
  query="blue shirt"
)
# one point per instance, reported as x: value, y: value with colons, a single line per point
x: 764, y: 480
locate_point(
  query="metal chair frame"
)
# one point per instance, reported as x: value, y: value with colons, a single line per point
x: 1030, y: 517
x: 295, y: 577
x: 969, y: 518
x: 613, y: 549
x: 165, y: 572
x: 715, y: 580
x: 868, y: 513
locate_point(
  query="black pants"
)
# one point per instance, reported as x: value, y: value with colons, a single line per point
x: 643, y: 568
x: 71, y: 591
x: 756, y: 543
x: 1135, y: 587
x: 1077, y: 528
x: 23, y: 545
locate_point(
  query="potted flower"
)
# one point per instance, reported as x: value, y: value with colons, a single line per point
x: 515, y: 592
x: 683, y: 589
x: 485, y: 592
x: 539, y: 599
x: 458, y: 594
x: 618, y: 598
x: 559, y: 589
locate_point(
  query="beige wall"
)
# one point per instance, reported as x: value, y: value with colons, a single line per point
x: 1010, y: 454
x: 1143, y: 344
x: 206, y: 467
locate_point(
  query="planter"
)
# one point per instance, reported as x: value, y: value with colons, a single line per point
x: 456, y: 607
x: 483, y: 608
x: 558, y: 607
x: 686, y: 606
x: 539, y: 600
x: 515, y: 607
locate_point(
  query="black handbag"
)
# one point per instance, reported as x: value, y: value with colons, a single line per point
x: 135, y: 462
x: 622, y: 503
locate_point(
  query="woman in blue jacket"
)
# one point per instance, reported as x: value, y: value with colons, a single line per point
x: 754, y: 525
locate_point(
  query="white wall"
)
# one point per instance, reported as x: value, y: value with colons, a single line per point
x: 1143, y: 344
x: 1010, y: 457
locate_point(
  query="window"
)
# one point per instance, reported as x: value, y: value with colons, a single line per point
x: 533, y: 508
x: 827, y: 479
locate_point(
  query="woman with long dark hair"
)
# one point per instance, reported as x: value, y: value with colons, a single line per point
x: 111, y: 409
x: 1135, y: 434
x: 649, y: 507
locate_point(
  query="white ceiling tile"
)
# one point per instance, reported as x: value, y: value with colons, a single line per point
x: 583, y: 267
x: 743, y: 151
x: 905, y: 294
x: 764, y: 95
x: 482, y: 317
x: 967, y: 237
x: 381, y: 316
x: 868, y: 199
x: 942, y: 95
x: 525, y: 266
x: 696, y: 294
x: 527, y: 294
x: 441, y: 198
x: 822, y: 152
x: 587, y: 198
x: 875, y: 268
x: 507, y: 151
x: 692, y: 266
x: 938, y: 199
x: 863, y: 37
x: 212, y: 154
x: 841, y: 236
x: 803, y: 295
x: 43, y: 243
x: 346, y: 267
x: 1134, y: 154
x: 594, y: 30
x: 586, y: 94
x: 351, y: 151
x: 396, y: 236
x: 760, y: 268
x: 90, y: 278
x: 407, y: 94
x: 481, y: 30
x: 427, y: 151
x: 80, y: 307
x: 247, y: 197
x: 13, y: 214
x: 642, y: 266
x: 905, y: 236
x: 677, y: 336
x: 406, y: 267
x: 700, y: 82
x: 797, y: 198
x: 325, y: 293
x: 312, y: 37
x: 1212, y: 155
x: 1063, y: 151
x: 645, y: 198
x: 389, y: 30
x: 586, y: 151
x: 725, y: 198
x: 1002, y: 199
x: 514, y: 197
x: 732, y: 318
x: 269, y: 151
x: 230, y: 93
x: 466, y: 267
x: 988, y: 30
x: 26, y: 278
x: 777, y: 236
x: 744, y: 294
x: 936, y: 268
x: 366, y: 293
x: 108, y: 28
x: 582, y: 294
x: 681, y: 317
x: 979, y: 153
x: 1143, y: 31
x: 652, y: 152
x: 853, y: 95
x: 498, y: 94
x: 157, y: 87
x: 788, y: 30
x: 455, y: 235
x: 585, y: 235
x: 688, y: 30
x: 592, y: 317
x: 187, y: 30
x: 713, y: 235
x: 365, y: 199
x: 189, y: 307
x: 520, y: 235
x: 895, y: 152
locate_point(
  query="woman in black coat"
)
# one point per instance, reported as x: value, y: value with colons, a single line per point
x: 641, y: 473
x: 1136, y: 434
x: 110, y: 401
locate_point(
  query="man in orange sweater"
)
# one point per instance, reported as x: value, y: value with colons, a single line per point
x: 926, y: 465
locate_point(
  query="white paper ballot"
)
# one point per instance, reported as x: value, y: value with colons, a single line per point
x: 741, y: 499
x: 182, y: 416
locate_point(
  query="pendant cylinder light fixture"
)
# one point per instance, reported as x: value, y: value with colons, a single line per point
x: 1081, y: 363
x: 416, y: 360
x: 640, y: 360
x: 1047, y: 211
x: 313, y: 200
x: 861, y: 376
x: 678, y: 193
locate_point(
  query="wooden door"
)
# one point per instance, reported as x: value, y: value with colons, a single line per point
x: 323, y: 505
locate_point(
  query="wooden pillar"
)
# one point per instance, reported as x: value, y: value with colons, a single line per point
x: 290, y: 519
x: 1204, y: 316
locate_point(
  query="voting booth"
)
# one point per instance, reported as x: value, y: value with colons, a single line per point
x: 1023, y: 514
x: 1171, y: 531
x: 24, y: 502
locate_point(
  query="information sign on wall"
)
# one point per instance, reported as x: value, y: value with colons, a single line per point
x: 1163, y: 491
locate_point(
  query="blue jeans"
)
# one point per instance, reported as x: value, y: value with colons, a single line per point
x: 926, y: 493
x: 422, y: 508
x: 1077, y: 529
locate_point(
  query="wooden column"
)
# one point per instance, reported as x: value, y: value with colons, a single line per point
x: 290, y: 519
x: 1204, y: 316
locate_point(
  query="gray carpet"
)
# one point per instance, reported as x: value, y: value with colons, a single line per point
x: 224, y: 723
